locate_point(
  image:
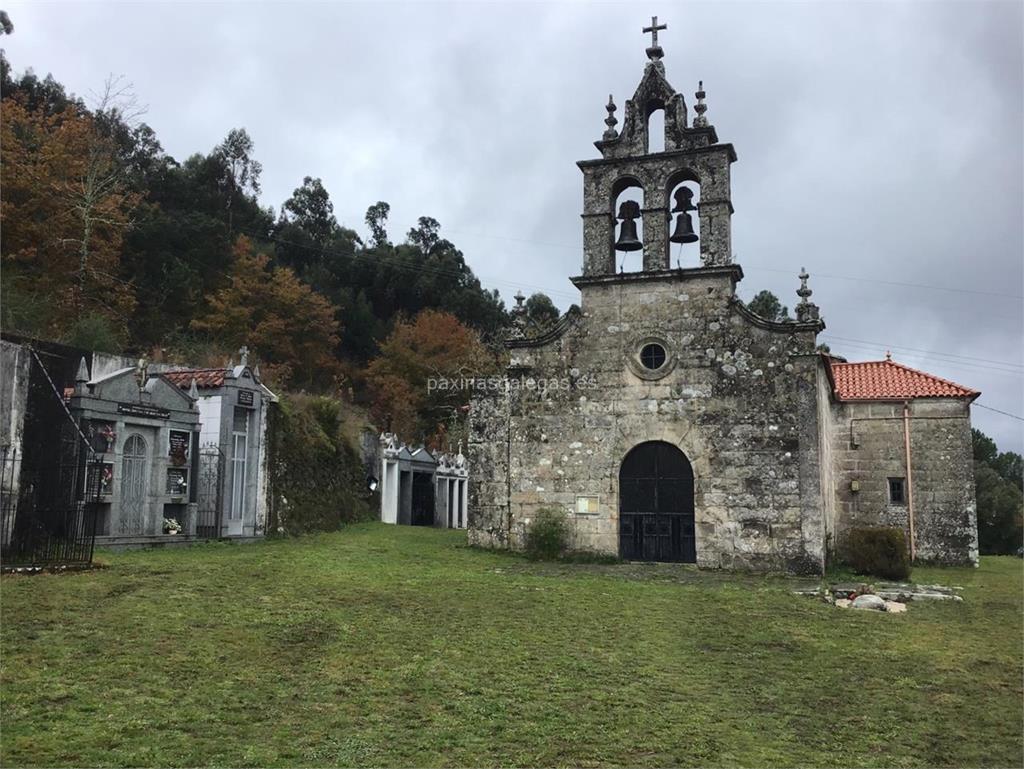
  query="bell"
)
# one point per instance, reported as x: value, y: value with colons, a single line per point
x: 627, y: 237
x: 684, y: 230
x: 684, y: 200
x: 628, y: 213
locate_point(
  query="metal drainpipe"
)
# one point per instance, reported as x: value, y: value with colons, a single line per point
x: 910, y: 477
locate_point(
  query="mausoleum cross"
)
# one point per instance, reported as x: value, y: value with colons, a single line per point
x: 653, y: 29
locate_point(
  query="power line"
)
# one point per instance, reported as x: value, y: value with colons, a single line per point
x: 958, y: 365
x: 894, y: 283
x: 829, y: 276
x: 1004, y: 413
x: 411, y: 262
x: 930, y: 352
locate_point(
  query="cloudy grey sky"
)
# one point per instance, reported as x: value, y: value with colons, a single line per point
x: 879, y: 143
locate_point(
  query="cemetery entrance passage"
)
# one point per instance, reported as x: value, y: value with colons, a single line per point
x: 656, y: 516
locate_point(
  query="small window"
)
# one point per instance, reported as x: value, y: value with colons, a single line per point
x: 652, y: 356
x: 240, y: 423
x: 587, y: 505
x: 897, y: 491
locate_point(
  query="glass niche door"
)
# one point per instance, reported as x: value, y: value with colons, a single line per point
x: 239, y: 471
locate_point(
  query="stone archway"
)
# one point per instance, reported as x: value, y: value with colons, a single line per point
x: 656, y: 510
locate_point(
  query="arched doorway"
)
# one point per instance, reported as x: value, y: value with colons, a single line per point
x: 656, y: 505
x: 134, y: 467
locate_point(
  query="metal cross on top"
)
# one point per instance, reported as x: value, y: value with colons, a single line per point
x: 655, y: 49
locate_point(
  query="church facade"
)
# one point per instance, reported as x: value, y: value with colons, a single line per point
x: 671, y: 423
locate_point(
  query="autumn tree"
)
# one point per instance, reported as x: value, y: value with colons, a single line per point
x: 290, y: 327
x: 65, y: 207
x: 417, y: 380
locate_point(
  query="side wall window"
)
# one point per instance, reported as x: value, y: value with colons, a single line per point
x: 897, y: 491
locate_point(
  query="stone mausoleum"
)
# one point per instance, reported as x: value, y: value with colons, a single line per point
x: 671, y: 423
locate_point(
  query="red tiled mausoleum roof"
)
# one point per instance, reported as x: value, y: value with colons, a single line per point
x: 205, y: 377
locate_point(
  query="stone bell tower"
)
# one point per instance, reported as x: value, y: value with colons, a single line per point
x: 692, y: 153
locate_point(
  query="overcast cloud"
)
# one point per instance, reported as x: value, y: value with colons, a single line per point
x: 875, y: 141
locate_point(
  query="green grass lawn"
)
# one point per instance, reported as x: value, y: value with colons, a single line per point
x: 390, y: 646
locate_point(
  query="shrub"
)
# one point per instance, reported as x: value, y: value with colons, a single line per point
x: 880, y: 551
x: 317, y: 478
x: 94, y: 332
x: 547, y: 537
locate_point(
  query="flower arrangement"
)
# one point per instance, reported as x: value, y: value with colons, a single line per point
x: 105, y: 432
x: 171, y: 526
x: 106, y: 479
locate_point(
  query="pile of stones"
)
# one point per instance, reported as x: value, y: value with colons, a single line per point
x: 847, y: 595
x: 889, y: 597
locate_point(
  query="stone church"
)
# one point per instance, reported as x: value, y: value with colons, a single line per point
x: 671, y: 423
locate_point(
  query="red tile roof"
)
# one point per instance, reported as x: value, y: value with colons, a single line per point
x: 205, y: 377
x: 886, y: 380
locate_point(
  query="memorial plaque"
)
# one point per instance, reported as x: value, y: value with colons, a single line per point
x: 245, y: 398
x: 177, y: 481
x: 179, y: 440
x: 143, y: 410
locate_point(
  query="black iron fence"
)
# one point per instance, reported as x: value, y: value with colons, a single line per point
x: 50, y: 484
x: 47, y: 514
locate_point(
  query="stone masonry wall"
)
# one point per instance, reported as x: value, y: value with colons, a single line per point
x: 867, y: 443
x: 487, y: 450
x: 738, y: 398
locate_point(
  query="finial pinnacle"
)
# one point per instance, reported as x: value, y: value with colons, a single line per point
x: 518, y: 330
x: 610, y: 121
x: 700, y: 107
x: 888, y: 355
x: 806, y: 311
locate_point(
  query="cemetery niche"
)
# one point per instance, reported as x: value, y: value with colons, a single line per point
x: 418, y: 488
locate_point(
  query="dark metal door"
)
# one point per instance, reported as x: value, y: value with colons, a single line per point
x: 656, y: 521
x: 422, y: 499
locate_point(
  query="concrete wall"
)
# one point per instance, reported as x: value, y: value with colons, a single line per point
x: 738, y: 397
x: 15, y: 362
x: 209, y: 420
x: 867, y: 443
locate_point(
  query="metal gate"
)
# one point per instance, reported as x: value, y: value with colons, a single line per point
x: 209, y: 496
x: 656, y: 512
x: 49, y: 491
x: 134, y: 467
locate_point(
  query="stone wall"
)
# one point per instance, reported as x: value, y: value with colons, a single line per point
x: 738, y: 396
x: 868, y: 448
x: 488, y: 452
